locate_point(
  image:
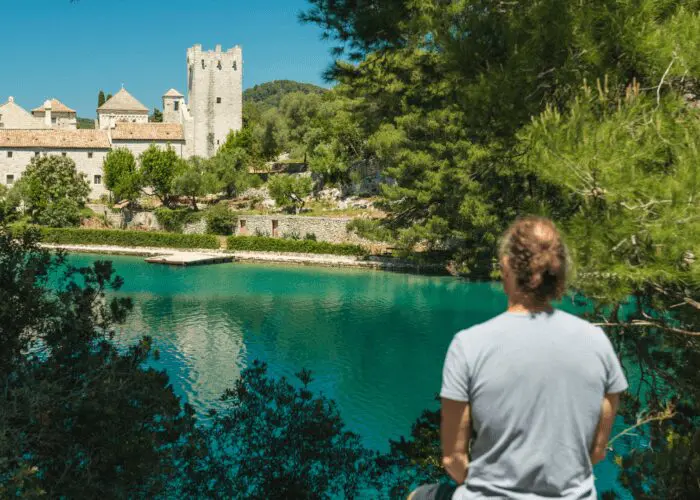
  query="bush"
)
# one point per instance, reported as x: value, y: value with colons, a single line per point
x: 220, y: 220
x: 263, y: 244
x: 175, y: 219
x: 125, y: 238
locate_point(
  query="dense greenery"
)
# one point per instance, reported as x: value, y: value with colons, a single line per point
x: 80, y: 417
x: 266, y: 244
x: 51, y: 191
x: 121, y: 176
x: 268, y: 95
x: 85, y: 123
x: 289, y: 191
x: 220, y: 220
x: 174, y: 220
x: 83, y: 416
x: 67, y: 236
x: 159, y: 169
x: 583, y: 111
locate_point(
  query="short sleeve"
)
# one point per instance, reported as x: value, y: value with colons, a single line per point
x: 615, y: 380
x: 455, y: 374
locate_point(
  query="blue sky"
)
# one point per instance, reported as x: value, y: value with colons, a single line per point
x: 55, y: 48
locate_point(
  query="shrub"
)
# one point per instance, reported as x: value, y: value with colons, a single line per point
x: 175, y: 219
x: 289, y: 191
x: 263, y: 244
x: 310, y: 237
x: 125, y: 238
x: 220, y: 220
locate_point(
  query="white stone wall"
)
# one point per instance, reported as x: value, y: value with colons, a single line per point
x: 16, y: 163
x: 107, y: 119
x: 138, y: 147
x: 330, y: 229
x: 215, y: 95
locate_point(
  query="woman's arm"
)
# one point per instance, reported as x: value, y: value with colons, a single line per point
x: 607, y: 418
x: 455, y: 432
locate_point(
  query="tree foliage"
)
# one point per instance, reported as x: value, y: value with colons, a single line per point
x: 120, y: 174
x: 289, y: 191
x: 159, y: 168
x: 80, y: 416
x: 587, y: 112
x: 52, y: 191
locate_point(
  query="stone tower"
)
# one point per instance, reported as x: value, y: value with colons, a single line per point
x: 215, y: 96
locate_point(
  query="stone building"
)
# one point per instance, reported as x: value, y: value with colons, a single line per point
x: 86, y: 147
x: 54, y: 114
x: 121, y: 107
x: 198, y: 126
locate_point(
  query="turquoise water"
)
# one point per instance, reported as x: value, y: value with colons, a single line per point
x: 374, y: 340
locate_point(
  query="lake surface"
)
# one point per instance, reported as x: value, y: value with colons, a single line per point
x: 374, y: 340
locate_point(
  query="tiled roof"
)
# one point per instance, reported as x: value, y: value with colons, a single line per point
x: 125, y: 131
x: 54, y: 139
x: 173, y: 93
x: 56, y: 107
x: 123, y: 101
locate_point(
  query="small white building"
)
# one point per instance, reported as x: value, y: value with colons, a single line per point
x: 14, y: 116
x: 137, y: 137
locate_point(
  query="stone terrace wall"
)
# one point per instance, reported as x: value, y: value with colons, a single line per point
x: 330, y: 229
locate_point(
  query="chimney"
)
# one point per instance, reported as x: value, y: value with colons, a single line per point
x: 47, y: 114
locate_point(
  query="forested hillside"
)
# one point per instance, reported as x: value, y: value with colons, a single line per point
x: 269, y: 94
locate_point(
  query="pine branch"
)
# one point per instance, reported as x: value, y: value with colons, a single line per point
x: 652, y: 324
x: 666, y: 414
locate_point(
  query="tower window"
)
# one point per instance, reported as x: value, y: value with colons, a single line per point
x: 89, y: 154
x: 218, y: 65
x: 235, y: 65
x: 203, y: 66
x: 218, y: 100
x: 176, y: 105
x: 63, y: 154
x: 9, y: 154
x: 10, y: 179
x: 97, y: 179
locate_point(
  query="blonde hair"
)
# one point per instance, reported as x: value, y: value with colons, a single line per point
x: 537, y: 256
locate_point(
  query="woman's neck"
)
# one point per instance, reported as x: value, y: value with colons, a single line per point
x: 520, y: 305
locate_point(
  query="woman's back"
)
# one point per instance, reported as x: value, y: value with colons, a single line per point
x: 534, y: 383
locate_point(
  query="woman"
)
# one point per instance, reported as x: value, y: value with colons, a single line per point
x: 534, y: 391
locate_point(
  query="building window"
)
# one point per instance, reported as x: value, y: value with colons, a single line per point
x: 176, y: 105
x: 63, y: 154
x: 2, y: 125
x: 218, y: 100
x: 9, y: 154
x: 10, y: 179
x: 218, y: 142
x: 97, y: 179
x: 89, y: 154
x: 53, y: 120
x: 243, y: 229
x: 275, y: 226
x: 36, y: 153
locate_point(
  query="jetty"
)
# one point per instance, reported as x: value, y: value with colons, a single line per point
x: 189, y: 259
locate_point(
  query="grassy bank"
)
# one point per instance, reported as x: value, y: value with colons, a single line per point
x: 74, y: 236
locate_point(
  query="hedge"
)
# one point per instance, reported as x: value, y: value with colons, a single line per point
x: 265, y: 244
x: 76, y: 236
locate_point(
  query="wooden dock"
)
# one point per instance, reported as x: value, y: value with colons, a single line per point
x: 189, y: 259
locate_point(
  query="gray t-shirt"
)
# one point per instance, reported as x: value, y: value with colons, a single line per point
x: 535, y: 384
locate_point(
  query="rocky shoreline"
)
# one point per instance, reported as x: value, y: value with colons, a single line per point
x: 372, y: 262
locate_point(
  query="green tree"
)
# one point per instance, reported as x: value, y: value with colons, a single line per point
x: 289, y: 191
x: 156, y: 116
x: 81, y: 417
x: 100, y: 98
x: 194, y: 180
x: 52, y: 190
x: 159, y: 168
x: 120, y: 174
x: 302, y: 451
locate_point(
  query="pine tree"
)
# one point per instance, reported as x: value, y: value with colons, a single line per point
x: 100, y: 98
